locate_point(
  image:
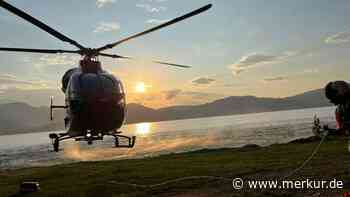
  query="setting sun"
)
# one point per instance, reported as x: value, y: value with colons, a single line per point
x: 140, y: 87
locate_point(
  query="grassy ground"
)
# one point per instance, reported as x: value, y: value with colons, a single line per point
x: 116, y: 178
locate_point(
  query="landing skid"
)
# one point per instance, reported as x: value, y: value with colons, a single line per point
x: 56, y: 138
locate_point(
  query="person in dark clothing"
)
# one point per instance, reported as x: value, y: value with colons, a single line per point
x: 338, y: 93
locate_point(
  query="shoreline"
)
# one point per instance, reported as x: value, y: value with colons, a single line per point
x: 4, y: 133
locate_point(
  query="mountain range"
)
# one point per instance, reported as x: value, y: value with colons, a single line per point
x: 21, y: 117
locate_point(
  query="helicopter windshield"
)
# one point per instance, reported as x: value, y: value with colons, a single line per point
x: 93, y: 85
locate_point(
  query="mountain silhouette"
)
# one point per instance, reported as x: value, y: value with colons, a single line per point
x: 21, y: 117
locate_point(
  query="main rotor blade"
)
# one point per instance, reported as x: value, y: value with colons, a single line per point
x: 37, y: 50
x: 178, y: 19
x: 38, y: 23
x: 158, y: 62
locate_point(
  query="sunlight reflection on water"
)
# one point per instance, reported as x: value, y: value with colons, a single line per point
x: 143, y: 129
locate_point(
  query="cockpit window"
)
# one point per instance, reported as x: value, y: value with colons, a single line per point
x: 92, y: 83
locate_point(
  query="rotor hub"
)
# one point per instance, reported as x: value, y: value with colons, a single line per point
x: 90, y: 65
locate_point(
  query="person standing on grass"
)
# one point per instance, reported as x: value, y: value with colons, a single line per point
x: 338, y: 93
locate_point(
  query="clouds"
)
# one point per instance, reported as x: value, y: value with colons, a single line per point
x: 52, y: 60
x: 291, y: 77
x: 151, y: 9
x: 102, y: 3
x: 157, y: 1
x: 203, y: 81
x: 186, y: 97
x: 154, y: 9
x: 10, y: 81
x: 156, y: 21
x: 171, y: 97
x: 311, y: 71
x: 107, y: 27
x: 152, y: 6
x: 7, y: 79
x: 275, y: 79
x: 171, y: 94
x: 255, y: 59
x: 55, y: 64
x: 341, y: 37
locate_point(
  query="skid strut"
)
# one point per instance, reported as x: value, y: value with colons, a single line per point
x: 56, y: 138
x: 131, y: 141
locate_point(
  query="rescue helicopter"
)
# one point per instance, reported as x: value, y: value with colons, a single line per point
x: 94, y: 99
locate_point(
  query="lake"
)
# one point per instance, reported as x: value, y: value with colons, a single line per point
x: 34, y: 149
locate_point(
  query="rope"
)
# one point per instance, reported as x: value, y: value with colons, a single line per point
x: 316, y: 149
x: 174, y: 181
x: 307, y: 160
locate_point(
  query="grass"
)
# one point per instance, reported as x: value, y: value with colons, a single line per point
x: 115, y: 178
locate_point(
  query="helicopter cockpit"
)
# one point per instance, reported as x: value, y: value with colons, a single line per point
x: 95, y: 100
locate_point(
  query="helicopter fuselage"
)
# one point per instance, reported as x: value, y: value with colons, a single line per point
x: 95, y: 102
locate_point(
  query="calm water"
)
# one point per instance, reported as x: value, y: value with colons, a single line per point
x: 153, y: 139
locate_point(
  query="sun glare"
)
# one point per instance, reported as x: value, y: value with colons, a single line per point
x: 143, y: 129
x: 140, y: 87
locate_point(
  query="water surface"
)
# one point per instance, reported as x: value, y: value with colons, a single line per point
x: 34, y: 149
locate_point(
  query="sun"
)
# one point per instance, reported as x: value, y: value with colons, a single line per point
x: 140, y: 87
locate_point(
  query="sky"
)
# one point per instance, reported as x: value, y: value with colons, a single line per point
x: 264, y: 48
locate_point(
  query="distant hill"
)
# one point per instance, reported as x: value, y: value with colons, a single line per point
x: 21, y: 117
x: 229, y: 106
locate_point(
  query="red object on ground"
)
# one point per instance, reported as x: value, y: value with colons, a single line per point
x: 339, y: 120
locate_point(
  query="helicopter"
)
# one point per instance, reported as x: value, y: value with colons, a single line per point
x: 95, y: 100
